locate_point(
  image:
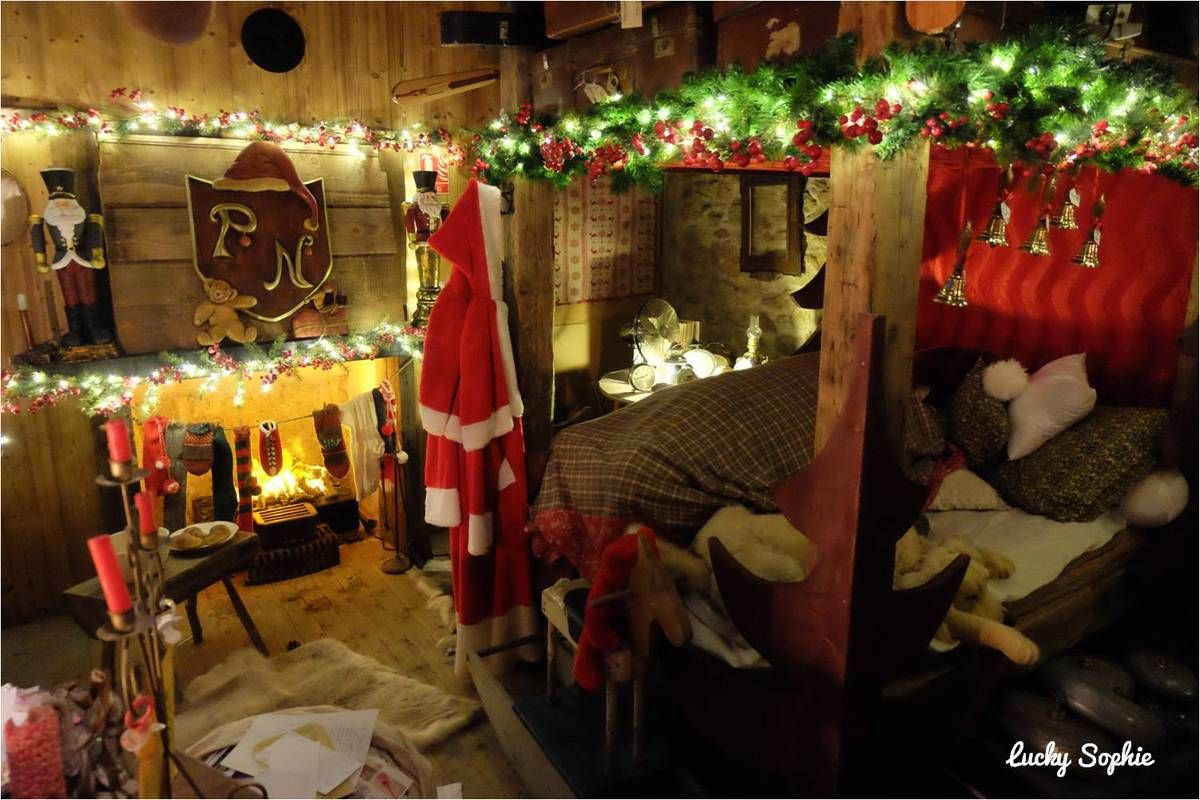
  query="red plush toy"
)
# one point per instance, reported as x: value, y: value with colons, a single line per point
x: 154, y: 458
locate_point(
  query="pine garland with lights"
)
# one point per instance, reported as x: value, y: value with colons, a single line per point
x: 1050, y: 100
x: 31, y: 389
x: 144, y: 117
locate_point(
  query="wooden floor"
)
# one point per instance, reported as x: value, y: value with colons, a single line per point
x: 379, y: 615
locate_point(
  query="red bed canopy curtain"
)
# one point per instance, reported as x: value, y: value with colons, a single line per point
x: 1125, y: 315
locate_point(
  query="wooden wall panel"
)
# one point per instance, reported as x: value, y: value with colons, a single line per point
x: 77, y: 53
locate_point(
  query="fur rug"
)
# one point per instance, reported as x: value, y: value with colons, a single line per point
x: 324, y: 672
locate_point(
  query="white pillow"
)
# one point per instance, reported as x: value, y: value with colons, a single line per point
x: 1057, y: 397
x: 963, y: 490
x: 1156, y: 499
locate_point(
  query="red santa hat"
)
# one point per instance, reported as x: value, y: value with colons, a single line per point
x: 265, y: 167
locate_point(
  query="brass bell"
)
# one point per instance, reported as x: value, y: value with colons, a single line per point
x: 995, y: 233
x: 954, y: 290
x: 1066, y: 217
x: 1089, y: 255
x: 1038, y: 243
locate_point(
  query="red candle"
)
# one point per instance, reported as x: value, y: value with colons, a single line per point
x: 35, y: 755
x: 145, y: 506
x: 116, y: 593
x: 118, y: 440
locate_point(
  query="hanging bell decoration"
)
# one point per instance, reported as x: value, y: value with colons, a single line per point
x: 954, y: 290
x: 1065, y: 219
x: 995, y: 233
x: 1038, y: 243
x: 1089, y: 254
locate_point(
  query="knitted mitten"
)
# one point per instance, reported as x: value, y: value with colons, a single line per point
x: 241, y: 464
x: 328, y: 424
x: 225, y: 503
x: 198, y: 448
x: 270, y: 448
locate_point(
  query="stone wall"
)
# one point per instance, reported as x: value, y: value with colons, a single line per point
x: 701, y: 278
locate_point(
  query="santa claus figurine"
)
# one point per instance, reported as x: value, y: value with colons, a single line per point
x: 78, y: 250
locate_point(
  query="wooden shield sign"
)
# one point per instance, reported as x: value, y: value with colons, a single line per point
x: 258, y: 242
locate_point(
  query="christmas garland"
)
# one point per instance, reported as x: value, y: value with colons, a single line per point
x: 102, y: 392
x: 1051, y: 100
x: 145, y: 117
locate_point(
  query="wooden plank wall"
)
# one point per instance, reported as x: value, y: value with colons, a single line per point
x: 75, y: 54
x: 154, y: 286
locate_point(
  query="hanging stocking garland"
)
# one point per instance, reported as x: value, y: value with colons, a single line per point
x: 155, y: 458
x: 328, y: 424
x: 245, y: 483
x: 198, y: 448
x: 270, y: 448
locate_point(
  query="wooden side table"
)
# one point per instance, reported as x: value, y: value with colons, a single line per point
x: 185, y: 577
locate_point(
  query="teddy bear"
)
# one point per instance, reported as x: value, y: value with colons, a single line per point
x: 975, y: 615
x: 218, y: 315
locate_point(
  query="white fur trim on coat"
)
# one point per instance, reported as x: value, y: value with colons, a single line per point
x: 441, y: 507
x: 517, y: 623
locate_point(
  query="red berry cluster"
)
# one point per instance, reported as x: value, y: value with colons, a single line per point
x: 752, y: 152
x: 479, y: 170
x: 1043, y: 145
x: 524, y: 113
x: 860, y: 123
x: 604, y: 158
x: 996, y: 111
x: 666, y: 131
x: 555, y: 153
x: 638, y: 144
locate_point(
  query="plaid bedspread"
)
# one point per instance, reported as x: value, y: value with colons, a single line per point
x: 674, y: 458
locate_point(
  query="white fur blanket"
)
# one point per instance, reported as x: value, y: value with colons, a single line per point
x: 324, y: 672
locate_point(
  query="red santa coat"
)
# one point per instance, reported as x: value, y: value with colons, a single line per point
x: 471, y: 410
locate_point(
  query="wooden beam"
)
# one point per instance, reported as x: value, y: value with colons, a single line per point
x: 876, y: 24
x: 529, y: 292
x: 876, y: 230
x: 529, y: 276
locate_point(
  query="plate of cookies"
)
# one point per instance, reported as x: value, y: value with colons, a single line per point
x: 203, y: 537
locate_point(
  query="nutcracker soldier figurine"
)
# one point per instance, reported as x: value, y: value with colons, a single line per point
x: 422, y: 217
x: 78, y: 250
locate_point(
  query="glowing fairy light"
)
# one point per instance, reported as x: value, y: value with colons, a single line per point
x: 1002, y: 62
x: 664, y: 113
x: 571, y: 125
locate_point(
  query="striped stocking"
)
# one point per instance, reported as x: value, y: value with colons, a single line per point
x: 241, y: 465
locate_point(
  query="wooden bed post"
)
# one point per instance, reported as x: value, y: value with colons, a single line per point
x: 876, y: 229
x: 529, y: 280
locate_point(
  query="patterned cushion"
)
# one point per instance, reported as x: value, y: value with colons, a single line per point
x: 1085, y: 470
x: 978, y: 422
